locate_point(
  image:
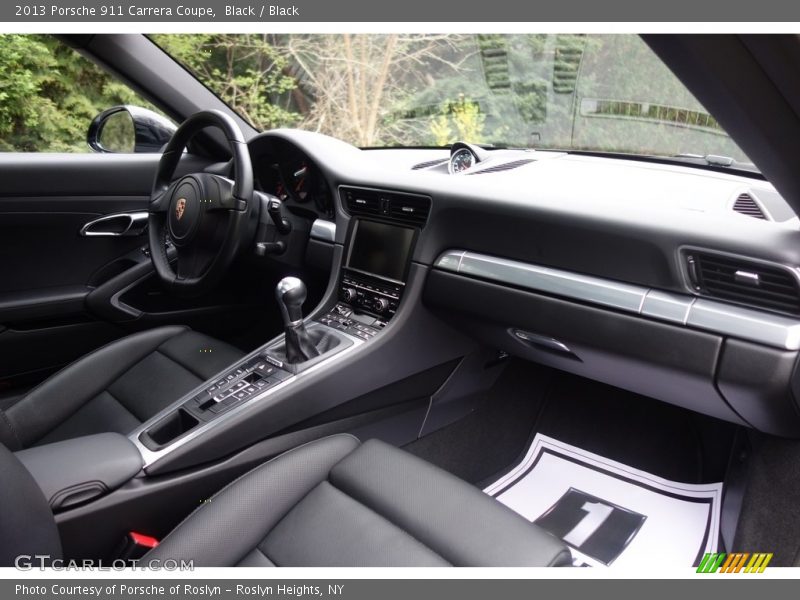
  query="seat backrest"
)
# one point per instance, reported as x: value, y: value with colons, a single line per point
x: 27, y: 526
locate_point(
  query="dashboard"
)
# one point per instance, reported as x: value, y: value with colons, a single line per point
x: 676, y: 282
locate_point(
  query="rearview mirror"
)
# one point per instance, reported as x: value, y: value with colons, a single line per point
x: 129, y: 129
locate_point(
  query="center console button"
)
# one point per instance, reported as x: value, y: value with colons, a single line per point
x: 264, y: 369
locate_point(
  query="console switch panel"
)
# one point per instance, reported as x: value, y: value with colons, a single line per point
x: 237, y: 386
x: 345, y: 319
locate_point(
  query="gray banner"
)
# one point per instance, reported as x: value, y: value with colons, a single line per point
x: 408, y: 10
x: 732, y: 588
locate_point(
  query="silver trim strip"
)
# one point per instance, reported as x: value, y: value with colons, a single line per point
x: 666, y: 306
x: 745, y: 323
x: 708, y: 315
x: 561, y: 283
x: 150, y: 457
x: 137, y: 223
x: 324, y: 231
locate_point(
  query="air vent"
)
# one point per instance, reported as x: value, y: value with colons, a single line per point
x: 746, y: 205
x: 504, y: 167
x: 745, y: 282
x: 428, y: 164
x: 404, y: 209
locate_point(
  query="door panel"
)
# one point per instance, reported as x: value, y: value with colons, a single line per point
x: 47, y: 268
x: 42, y: 250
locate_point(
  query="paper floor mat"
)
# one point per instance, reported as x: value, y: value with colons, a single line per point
x: 610, y: 514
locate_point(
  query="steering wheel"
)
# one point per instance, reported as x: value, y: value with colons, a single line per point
x: 206, y: 217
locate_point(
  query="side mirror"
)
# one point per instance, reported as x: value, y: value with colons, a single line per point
x: 129, y: 129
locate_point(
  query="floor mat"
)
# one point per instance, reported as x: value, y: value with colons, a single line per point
x: 608, y: 513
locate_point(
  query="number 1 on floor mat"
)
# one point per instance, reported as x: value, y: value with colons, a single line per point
x: 596, y: 514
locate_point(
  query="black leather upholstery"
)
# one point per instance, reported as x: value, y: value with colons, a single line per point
x: 27, y: 525
x: 115, y: 388
x: 335, y: 502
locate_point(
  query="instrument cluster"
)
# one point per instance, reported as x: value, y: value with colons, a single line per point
x: 284, y: 171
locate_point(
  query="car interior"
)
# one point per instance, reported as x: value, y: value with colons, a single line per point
x: 276, y: 348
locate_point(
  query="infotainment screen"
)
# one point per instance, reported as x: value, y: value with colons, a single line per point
x: 380, y: 249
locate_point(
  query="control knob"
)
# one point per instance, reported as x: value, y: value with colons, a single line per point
x: 381, y: 305
x: 349, y: 294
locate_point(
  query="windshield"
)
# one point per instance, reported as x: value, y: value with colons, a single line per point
x: 605, y: 93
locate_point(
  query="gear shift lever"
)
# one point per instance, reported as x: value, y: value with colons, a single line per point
x: 291, y: 293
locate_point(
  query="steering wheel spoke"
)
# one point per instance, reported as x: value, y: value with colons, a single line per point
x: 221, y: 190
x: 192, y: 263
x: 160, y: 198
x: 208, y: 217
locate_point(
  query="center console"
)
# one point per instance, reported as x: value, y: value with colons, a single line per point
x: 374, y: 274
x: 370, y: 286
x: 372, y: 280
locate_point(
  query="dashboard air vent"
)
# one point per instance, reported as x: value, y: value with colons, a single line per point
x: 743, y: 281
x: 746, y: 205
x: 403, y: 209
x: 504, y: 167
x: 429, y: 163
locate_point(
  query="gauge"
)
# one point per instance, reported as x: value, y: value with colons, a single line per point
x: 300, y: 182
x: 461, y: 160
x: 273, y: 182
x: 280, y: 191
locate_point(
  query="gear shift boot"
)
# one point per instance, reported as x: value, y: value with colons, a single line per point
x: 300, y: 346
x: 325, y: 340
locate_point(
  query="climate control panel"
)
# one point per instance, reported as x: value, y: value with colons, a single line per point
x: 374, y: 295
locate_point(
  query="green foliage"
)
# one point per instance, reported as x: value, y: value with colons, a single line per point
x: 441, y: 130
x: 459, y: 120
x: 468, y: 120
x: 49, y: 94
x: 246, y: 70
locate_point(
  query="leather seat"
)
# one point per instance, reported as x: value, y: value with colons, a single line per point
x: 331, y: 502
x: 115, y: 388
x: 336, y: 502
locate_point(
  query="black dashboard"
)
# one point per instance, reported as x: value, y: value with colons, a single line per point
x: 675, y: 282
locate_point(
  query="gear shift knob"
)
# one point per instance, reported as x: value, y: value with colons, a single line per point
x: 291, y: 294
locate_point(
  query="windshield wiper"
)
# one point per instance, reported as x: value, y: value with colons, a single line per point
x: 715, y: 160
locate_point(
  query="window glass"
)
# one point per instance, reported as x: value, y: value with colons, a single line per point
x: 606, y: 93
x: 49, y: 95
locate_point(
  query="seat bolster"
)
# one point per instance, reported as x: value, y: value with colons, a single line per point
x: 434, y: 507
x: 61, y: 395
x: 225, y: 530
x: 8, y: 433
x: 184, y: 349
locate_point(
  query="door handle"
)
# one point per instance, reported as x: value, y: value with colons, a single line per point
x: 117, y: 225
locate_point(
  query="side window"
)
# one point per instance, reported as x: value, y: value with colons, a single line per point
x: 49, y: 95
